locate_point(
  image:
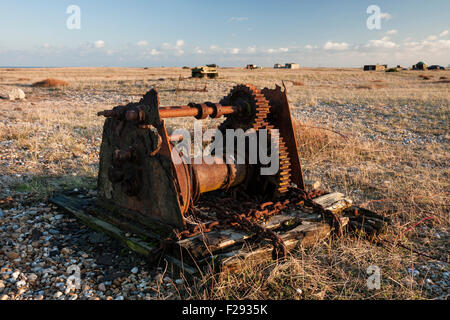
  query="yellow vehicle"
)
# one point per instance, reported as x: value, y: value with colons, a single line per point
x: 201, y: 72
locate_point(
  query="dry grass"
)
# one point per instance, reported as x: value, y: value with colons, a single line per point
x: 298, y: 83
x: 53, y: 141
x: 337, y: 269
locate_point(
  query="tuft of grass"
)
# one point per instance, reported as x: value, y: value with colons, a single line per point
x: 312, y: 139
x: 424, y: 77
x: 50, y: 82
x: 44, y: 186
x: 370, y: 86
x: 392, y: 70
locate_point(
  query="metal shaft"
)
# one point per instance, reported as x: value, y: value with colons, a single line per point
x: 193, y: 111
x: 199, y: 111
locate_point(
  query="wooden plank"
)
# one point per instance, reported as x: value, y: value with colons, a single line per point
x: 207, y: 243
x: 231, y: 235
x: 334, y: 202
x: 340, y: 205
x: 74, y: 206
x: 329, y: 199
x: 304, y: 235
x: 307, y: 233
x: 82, y: 204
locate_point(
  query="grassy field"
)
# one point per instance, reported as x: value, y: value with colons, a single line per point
x: 371, y: 135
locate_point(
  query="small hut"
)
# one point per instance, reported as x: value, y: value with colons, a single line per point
x: 291, y: 65
x: 419, y: 66
x: 375, y: 67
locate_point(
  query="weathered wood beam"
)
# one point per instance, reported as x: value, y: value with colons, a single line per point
x: 204, y: 244
x: 304, y: 235
x: 334, y: 202
x: 74, y: 206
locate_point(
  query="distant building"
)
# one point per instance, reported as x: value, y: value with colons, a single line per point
x: 278, y: 66
x: 291, y: 66
x: 375, y: 67
x: 419, y: 66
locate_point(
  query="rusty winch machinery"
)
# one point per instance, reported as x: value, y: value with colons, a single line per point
x: 206, y: 213
x: 138, y: 173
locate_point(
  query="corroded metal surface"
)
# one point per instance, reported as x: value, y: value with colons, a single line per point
x: 135, y: 182
x: 138, y: 172
x: 281, y: 118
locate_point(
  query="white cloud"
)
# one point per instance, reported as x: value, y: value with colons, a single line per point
x: 154, y: 52
x: 237, y: 19
x: 444, y: 44
x: 336, y: 45
x: 176, y: 48
x: 431, y: 38
x: 99, y: 44
x: 180, y: 43
x: 443, y: 33
x: 198, y: 50
x: 393, y: 31
x: 386, y: 16
x: 382, y: 43
x: 277, y: 50
x: 235, y: 50
x: 428, y: 46
x: 142, y: 43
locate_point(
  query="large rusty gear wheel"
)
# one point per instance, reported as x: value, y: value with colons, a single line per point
x: 254, y: 105
x: 255, y: 113
x: 279, y: 183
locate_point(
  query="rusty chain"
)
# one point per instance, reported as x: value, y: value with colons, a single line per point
x: 232, y: 213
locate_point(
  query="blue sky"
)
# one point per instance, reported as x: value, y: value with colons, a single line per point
x: 139, y: 33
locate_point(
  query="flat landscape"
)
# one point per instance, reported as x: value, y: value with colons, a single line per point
x: 381, y: 138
